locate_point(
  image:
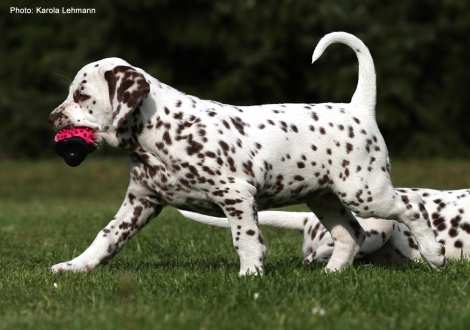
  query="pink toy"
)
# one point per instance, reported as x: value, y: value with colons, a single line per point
x: 83, y: 132
x: 73, y: 144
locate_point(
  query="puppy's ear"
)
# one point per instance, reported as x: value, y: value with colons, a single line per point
x: 127, y: 88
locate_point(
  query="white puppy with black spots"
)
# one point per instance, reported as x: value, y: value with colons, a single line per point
x: 217, y: 159
x: 386, y: 241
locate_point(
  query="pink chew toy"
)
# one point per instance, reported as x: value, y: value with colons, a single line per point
x: 83, y: 132
x: 73, y: 144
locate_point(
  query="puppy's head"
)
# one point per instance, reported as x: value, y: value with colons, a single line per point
x: 101, y: 97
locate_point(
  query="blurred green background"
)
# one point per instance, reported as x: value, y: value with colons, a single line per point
x: 247, y: 52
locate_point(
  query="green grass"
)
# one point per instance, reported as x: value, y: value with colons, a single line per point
x: 177, y: 274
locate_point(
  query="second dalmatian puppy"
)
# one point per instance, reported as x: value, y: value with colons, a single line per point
x: 386, y: 241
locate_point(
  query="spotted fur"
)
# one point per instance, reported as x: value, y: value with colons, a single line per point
x: 386, y: 241
x: 214, y: 158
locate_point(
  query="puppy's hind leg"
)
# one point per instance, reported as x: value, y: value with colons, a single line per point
x: 407, y: 208
x: 346, y: 232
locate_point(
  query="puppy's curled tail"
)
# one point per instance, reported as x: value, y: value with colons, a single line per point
x: 288, y: 220
x: 366, y: 91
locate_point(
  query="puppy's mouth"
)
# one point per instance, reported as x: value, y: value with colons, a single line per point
x: 74, y: 144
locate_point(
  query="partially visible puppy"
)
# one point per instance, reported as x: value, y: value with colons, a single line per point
x: 386, y: 241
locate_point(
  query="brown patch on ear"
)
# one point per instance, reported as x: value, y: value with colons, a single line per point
x: 127, y: 87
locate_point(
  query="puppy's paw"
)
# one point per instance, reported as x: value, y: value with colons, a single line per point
x: 436, y: 258
x: 71, y: 266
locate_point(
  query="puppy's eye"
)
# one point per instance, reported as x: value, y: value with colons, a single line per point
x: 83, y: 97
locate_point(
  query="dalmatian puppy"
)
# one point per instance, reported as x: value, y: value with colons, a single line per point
x: 218, y: 159
x: 386, y: 241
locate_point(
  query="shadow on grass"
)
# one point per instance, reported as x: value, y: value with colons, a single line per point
x: 208, y: 263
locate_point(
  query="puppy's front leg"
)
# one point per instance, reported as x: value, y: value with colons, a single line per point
x: 133, y: 215
x: 246, y: 233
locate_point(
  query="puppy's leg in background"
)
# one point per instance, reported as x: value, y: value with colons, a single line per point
x: 346, y: 232
x: 133, y: 215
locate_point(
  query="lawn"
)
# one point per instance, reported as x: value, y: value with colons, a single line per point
x: 177, y: 274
